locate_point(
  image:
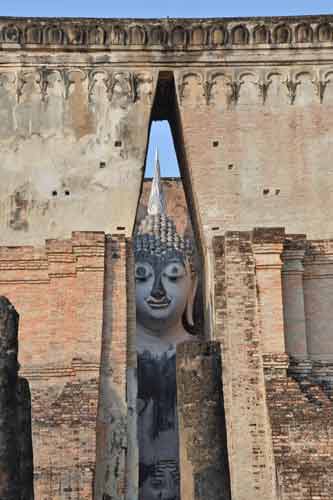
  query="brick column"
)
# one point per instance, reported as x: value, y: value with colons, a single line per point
x: 203, y: 447
x: 237, y: 327
x: 267, y: 247
x: 116, y: 462
x: 293, y: 299
x: 318, y: 296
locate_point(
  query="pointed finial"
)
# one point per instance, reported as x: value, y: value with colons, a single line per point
x: 156, y: 204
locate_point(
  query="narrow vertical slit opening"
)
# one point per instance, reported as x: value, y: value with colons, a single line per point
x: 168, y: 291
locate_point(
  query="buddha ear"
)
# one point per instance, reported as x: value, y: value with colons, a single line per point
x: 190, y: 301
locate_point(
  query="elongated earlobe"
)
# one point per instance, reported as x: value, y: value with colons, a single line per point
x: 190, y: 302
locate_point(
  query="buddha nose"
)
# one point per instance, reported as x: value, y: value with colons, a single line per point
x: 158, y: 291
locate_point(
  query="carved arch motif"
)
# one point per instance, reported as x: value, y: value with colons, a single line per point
x: 34, y: 35
x: 184, y: 81
x: 324, y: 33
x: 212, y: 79
x: 7, y: 80
x: 261, y: 34
x: 306, y: 73
x: 54, y: 35
x: 320, y: 81
x: 265, y: 81
x: 328, y: 73
x: 144, y: 86
x: 137, y: 35
x: 96, y: 36
x: 77, y: 35
x: 233, y: 84
x: 94, y: 77
x: 259, y: 83
x: 312, y: 79
x: 179, y: 36
x: 122, y: 85
x: 240, y: 35
x: 46, y: 80
x: 11, y: 34
x: 218, y: 36
x: 198, y: 36
x: 119, y: 36
x: 70, y: 80
x: 25, y: 78
x: 304, y: 33
x: 282, y: 34
x: 158, y: 36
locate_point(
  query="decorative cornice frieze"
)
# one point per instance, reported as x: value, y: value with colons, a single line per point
x: 174, y: 34
x: 124, y: 86
x: 121, y: 86
x: 233, y: 80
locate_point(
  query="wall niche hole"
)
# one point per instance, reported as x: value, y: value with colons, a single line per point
x: 215, y: 144
x: 277, y: 192
x: 118, y: 144
x: 67, y: 192
x: 231, y: 166
x: 102, y: 164
x: 215, y: 228
x: 54, y: 193
x: 121, y: 228
x: 265, y: 192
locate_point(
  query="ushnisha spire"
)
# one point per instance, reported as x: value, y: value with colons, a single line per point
x: 156, y: 204
x: 157, y: 233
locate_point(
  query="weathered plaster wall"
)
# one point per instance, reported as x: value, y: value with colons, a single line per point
x: 72, y: 145
x: 255, y: 99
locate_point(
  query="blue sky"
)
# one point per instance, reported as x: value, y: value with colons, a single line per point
x: 160, y: 134
x: 158, y: 8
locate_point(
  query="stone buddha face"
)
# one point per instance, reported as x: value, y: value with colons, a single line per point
x: 163, y: 286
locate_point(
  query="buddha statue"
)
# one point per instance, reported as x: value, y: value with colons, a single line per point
x: 165, y: 291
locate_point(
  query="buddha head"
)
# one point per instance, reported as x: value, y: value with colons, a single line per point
x: 165, y: 280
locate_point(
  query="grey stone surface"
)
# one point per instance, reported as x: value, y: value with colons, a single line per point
x: 203, y: 443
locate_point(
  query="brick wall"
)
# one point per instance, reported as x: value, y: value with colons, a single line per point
x: 237, y: 327
x: 58, y: 291
x: 301, y: 418
x: 279, y: 420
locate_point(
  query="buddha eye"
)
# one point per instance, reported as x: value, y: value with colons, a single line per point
x: 174, y: 271
x: 142, y: 273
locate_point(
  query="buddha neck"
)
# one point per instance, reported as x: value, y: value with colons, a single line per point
x: 163, y: 339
